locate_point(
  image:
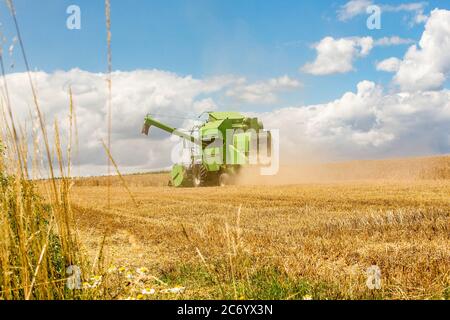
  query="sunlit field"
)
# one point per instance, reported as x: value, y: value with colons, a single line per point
x: 310, y: 240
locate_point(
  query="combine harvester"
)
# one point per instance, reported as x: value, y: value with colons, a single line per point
x: 219, y: 148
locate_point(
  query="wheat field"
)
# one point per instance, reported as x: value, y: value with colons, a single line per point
x: 304, y: 240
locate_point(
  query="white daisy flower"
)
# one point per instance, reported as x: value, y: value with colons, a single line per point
x: 148, y: 291
x: 142, y: 271
x: 174, y: 290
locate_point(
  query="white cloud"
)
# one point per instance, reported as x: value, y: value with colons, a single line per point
x: 168, y: 96
x: 389, y: 65
x: 417, y: 8
x: 262, y: 92
x: 365, y: 124
x: 338, y: 55
x: 392, y: 41
x: 353, y: 8
x: 427, y: 66
x: 134, y: 95
x: 203, y: 105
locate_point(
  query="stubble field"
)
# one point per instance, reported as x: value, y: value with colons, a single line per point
x: 274, y: 241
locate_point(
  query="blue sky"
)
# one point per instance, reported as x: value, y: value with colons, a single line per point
x: 251, y: 38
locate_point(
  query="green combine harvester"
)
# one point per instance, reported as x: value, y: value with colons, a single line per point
x: 219, y: 148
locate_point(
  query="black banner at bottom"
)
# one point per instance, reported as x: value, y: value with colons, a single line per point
x: 224, y: 309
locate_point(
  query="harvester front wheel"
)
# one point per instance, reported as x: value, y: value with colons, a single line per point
x: 198, y: 176
x: 196, y: 181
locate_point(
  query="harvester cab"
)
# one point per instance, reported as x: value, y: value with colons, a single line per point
x: 226, y: 142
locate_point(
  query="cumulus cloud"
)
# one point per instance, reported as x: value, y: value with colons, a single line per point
x: 338, y: 55
x: 134, y: 95
x: 262, y: 92
x: 389, y: 65
x: 365, y: 124
x: 426, y: 66
x: 170, y: 97
x: 362, y: 124
x: 352, y: 9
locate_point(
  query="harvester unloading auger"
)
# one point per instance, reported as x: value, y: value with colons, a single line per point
x: 220, y: 147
